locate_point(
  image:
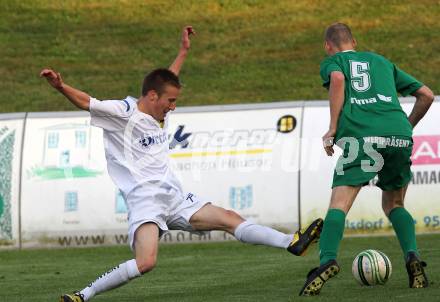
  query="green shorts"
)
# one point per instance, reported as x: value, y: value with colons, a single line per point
x: 389, y: 157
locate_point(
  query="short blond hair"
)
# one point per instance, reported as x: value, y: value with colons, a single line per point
x: 338, y: 34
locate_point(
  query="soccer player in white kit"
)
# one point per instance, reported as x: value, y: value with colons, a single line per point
x: 136, y: 147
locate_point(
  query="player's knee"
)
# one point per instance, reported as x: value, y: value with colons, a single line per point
x: 388, y: 206
x: 146, y: 265
x: 231, y: 220
x: 230, y: 216
x: 386, y: 210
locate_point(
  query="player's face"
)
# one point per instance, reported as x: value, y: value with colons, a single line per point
x: 167, y: 101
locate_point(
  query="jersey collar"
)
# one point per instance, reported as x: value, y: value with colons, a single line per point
x: 148, y: 117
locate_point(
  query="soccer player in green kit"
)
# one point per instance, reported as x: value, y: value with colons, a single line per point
x: 368, y: 123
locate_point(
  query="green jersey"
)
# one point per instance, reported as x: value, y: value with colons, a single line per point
x: 371, y: 106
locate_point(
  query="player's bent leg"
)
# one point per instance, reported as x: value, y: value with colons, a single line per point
x: 401, y: 219
x: 393, y: 199
x: 403, y: 225
x: 146, y: 243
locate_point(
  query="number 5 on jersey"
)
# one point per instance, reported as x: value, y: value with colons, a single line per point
x: 360, y: 78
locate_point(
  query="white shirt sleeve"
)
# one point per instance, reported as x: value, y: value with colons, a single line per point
x: 110, y: 115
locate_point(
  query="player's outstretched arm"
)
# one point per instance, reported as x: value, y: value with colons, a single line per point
x: 183, y: 51
x: 424, y: 98
x: 76, y: 97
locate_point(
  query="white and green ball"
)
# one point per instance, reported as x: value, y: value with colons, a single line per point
x: 371, y: 267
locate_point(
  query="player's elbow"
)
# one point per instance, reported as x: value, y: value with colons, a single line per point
x: 337, y: 77
x: 430, y: 95
x: 83, y: 104
x: 425, y: 94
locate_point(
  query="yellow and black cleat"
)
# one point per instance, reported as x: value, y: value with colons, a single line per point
x: 76, y: 297
x: 317, y: 277
x: 302, y: 240
x: 416, y: 273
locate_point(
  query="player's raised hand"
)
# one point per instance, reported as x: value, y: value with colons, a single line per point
x: 53, y: 77
x: 328, y: 140
x: 187, y: 31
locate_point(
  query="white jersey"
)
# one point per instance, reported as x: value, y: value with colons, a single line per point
x: 136, y: 146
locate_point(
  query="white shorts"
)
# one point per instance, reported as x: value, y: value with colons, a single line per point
x: 169, y: 210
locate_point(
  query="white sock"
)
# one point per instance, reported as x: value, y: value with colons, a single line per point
x: 115, y: 277
x: 249, y: 232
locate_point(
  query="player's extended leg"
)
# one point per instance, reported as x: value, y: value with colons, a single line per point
x: 211, y: 217
x: 341, y: 201
x: 146, y: 241
x: 403, y: 224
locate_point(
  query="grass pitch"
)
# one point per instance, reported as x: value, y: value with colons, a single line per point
x: 245, y: 51
x: 228, y: 271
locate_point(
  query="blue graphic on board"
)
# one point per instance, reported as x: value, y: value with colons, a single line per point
x: 241, y: 198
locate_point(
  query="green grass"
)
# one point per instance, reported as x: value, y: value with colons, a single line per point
x: 211, y: 272
x: 245, y: 51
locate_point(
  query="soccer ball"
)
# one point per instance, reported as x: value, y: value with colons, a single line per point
x: 371, y: 267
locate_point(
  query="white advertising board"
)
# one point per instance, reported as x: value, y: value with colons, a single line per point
x: 11, y: 131
x: 66, y: 191
x: 366, y: 215
x: 423, y: 195
x: 245, y: 160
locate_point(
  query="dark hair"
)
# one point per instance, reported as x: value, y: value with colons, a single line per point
x: 158, y: 79
x: 338, y: 33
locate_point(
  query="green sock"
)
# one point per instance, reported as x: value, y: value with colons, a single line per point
x: 403, y: 225
x: 331, y: 235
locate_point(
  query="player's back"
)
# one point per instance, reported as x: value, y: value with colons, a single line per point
x: 371, y: 106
